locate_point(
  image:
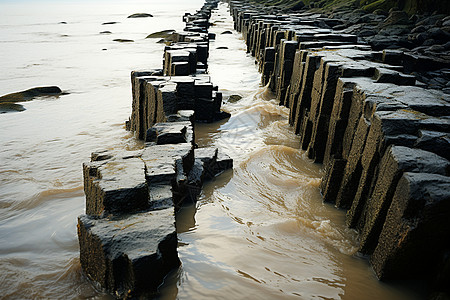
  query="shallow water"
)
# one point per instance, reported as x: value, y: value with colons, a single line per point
x: 259, y: 231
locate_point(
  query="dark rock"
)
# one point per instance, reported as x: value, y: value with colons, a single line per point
x: 123, y: 41
x: 438, y: 34
x: 101, y: 155
x: 298, y: 6
x: 140, y: 15
x: 47, y: 91
x: 110, y: 23
x: 165, y: 34
x: 106, y: 32
x: 380, y: 12
x: 211, y: 36
x: 170, y: 133
x: 367, y: 32
x: 227, y: 32
x: 436, y: 48
x: 419, y: 29
x: 10, y: 107
x: 116, y: 185
x: 222, y: 48
x: 415, y: 229
x: 182, y: 116
x: 234, y: 98
x: 221, y: 115
x: 209, y: 163
x: 129, y: 256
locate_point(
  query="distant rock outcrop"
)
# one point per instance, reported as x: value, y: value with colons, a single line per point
x: 140, y: 15
x: 30, y: 94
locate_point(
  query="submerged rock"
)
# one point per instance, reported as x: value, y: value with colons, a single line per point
x: 123, y: 41
x: 30, y: 94
x: 161, y: 34
x: 10, y: 107
x: 165, y: 36
x: 234, y: 98
x: 140, y: 15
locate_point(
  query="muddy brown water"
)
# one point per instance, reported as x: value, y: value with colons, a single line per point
x: 259, y: 231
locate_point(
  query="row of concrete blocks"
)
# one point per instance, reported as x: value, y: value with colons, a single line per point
x: 384, y: 141
x: 189, y: 54
x: 156, y: 98
x: 128, y: 238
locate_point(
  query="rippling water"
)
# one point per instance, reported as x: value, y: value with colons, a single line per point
x: 259, y: 231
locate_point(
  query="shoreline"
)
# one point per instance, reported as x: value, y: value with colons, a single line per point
x: 378, y: 132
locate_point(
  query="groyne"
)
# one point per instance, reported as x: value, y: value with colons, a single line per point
x: 128, y: 241
x: 383, y: 138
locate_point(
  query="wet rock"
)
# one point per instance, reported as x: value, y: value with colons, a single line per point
x: 123, y: 41
x: 182, y: 116
x: 165, y: 34
x: 129, y: 256
x: 140, y: 15
x: 419, y: 29
x: 170, y: 133
x: 298, y: 6
x: 209, y: 163
x: 415, y: 227
x: 30, y: 94
x: 10, y: 107
x: 434, y: 141
x: 397, y: 160
x: 234, y: 98
x: 161, y: 161
x: 115, y: 185
x: 438, y: 34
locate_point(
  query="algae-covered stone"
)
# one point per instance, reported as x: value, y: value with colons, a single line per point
x: 164, y: 34
x: 30, y: 94
x: 170, y: 133
x: 160, y: 162
x: 140, y: 15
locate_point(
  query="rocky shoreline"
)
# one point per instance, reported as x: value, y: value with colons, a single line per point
x: 383, y: 137
x: 420, y: 42
x: 371, y: 107
x: 128, y: 240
